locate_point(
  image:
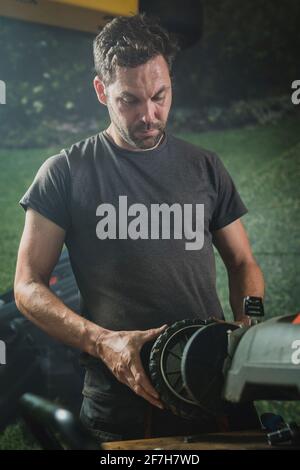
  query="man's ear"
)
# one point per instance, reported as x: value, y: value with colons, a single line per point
x: 100, y: 90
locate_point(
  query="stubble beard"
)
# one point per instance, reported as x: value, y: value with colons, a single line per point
x: 130, y: 135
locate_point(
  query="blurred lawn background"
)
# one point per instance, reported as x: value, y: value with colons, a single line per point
x: 231, y: 95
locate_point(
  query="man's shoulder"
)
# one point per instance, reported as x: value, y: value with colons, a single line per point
x: 54, y: 164
x: 70, y: 157
x: 192, y: 150
x: 83, y: 147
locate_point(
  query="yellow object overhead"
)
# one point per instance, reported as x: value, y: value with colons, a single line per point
x: 117, y: 7
x: 83, y: 15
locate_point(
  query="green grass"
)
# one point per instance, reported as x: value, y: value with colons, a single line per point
x: 17, y: 437
x: 17, y: 169
x: 265, y: 165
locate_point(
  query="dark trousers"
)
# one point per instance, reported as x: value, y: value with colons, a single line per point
x: 154, y: 422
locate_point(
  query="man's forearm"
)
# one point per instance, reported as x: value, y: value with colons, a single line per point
x: 40, y: 305
x: 246, y: 279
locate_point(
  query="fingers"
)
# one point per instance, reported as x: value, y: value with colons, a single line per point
x: 142, y: 385
x: 139, y: 390
x: 126, y: 364
x: 153, y: 333
x: 245, y: 321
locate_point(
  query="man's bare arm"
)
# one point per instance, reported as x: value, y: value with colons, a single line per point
x: 39, y: 251
x: 244, y: 275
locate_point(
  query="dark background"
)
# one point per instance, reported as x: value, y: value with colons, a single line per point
x: 232, y: 94
x: 237, y: 74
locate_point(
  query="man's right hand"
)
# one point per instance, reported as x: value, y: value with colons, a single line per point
x: 120, y: 351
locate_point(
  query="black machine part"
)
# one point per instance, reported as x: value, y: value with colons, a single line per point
x: 37, y: 363
x: 165, y: 368
x: 54, y: 427
x: 202, y: 365
x: 187, y: 377
x: 203, y: 369
x: 290, y: 433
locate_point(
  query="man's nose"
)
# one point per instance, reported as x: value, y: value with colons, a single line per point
x: 148, y: 113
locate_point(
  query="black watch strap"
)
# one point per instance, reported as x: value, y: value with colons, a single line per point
x: 253, y: 306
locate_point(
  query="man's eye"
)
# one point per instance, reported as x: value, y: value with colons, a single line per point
x: 159, y: 98
x: 128, y: 101
x: 134, y: 101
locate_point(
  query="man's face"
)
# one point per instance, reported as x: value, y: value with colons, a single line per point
x: 139, y: 102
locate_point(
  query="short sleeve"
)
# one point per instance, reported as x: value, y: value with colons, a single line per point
x: 229, y: 205
x: 49, y: 193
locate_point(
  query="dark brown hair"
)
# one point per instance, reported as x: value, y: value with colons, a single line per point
x: 129, y: 42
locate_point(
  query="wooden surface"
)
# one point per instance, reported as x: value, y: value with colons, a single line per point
x: 222, y: 441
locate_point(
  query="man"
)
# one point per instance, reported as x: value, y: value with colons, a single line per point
x: 139, y: 211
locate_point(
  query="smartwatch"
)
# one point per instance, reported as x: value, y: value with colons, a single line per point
x: 253, y: 306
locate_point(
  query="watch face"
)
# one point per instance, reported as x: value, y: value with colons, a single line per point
x: 253, y: 306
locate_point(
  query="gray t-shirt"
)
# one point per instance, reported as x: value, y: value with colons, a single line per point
x: 128, y: 283
x: 135, y: 261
